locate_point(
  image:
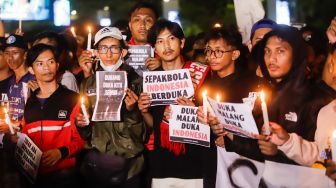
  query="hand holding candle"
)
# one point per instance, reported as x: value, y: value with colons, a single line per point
x: 85, y: 114
x: 267, y: 130
x: 8, y: 122
x: 89, y: 39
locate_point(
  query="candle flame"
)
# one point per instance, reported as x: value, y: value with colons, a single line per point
x: 262, y: 96
x: 82, y: 100
x: 89, y: 28
x: 204, y: 93
x: 334, y: 134
x: 218, y: 97
x: 72, y: 29
x: 5, y: 110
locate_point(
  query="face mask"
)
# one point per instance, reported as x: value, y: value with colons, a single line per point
x: 111, y: 67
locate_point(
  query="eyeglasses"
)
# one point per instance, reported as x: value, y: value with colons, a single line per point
x: 218, y: 53
x: 104, y: 49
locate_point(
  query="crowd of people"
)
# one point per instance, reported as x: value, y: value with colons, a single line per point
x: 43, y: 80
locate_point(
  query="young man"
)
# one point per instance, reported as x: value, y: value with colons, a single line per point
x: 122, y: 138
x: 15, y: 55
x: 49, y: 120
x: 143, y: 15
x: 171, y: 163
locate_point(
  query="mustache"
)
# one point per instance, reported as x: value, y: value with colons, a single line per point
x: 168, y: 51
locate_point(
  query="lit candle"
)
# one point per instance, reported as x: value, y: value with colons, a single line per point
x: 267, y: 130
x: 89, y: 39
x: 205, y: 111
x: 73, y: 32
x: 218, y: 97
x: 86, y: 117
x: 8, y: 122
x: 333, y: 146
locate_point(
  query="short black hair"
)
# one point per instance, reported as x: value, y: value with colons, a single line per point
x: 162, y: 24
x: 56, y: 38
x: 143, y: 4
x: 36, y: 50
x: 230, y: 35
x: 2, y: 43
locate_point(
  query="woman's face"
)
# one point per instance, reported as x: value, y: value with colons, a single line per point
x: 278, y: 56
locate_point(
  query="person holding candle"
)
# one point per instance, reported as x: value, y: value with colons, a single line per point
x: 225, y: 53
x: 172, y: 163
x: 113, y: 139
x: 295, y: 146
x: 293, y: 105
x: 49, y: 120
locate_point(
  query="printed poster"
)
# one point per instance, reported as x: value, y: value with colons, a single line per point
x: 28, y: 156
x: 137, y: 55
x: 165, y: 87
x: 185, y: 127
x: 235, y: 117
x: 111, y: 89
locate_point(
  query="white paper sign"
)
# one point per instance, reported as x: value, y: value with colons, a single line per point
x: 185, y: 127
x: 234, y: 170
x: 111, y: 90
x: 165, y: 87
x: 235, y: 117
x: 28, y: 156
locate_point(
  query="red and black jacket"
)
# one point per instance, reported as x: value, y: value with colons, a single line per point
x: 52, y: 125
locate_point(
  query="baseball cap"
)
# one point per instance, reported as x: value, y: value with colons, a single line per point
x: 16, y: 41
x: 108, y: 32
x: 263, y: 23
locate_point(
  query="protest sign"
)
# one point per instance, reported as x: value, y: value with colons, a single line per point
x: 28, y: 156
x: 165, y: 87
x: 234, y: 170
x: 137, y: 55
x: 111, y: 90
x: 185, y: 127
x: 235, y: 117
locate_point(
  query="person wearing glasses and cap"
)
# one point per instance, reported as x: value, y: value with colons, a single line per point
x: 122, y: 138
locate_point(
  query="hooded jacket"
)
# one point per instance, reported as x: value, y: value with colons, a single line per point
x: 293, y: 105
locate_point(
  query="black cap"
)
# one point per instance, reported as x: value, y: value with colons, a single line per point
x: 16, y: 41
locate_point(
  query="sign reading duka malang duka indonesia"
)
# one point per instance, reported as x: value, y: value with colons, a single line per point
x: 185, y: 127
x: 235, y: 117
x: 164, y: 87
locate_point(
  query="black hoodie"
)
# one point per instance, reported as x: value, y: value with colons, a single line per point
x: 293, y: 105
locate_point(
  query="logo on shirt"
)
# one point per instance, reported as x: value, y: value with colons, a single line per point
x: 291, y: 116
x: 62, y: 114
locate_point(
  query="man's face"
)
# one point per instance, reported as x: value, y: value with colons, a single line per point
x: 167, y: 46
x: 278, y: 56
x: 14, y: 57
x: 45, y: 67
x: 141, y: 21
x: 219, y: 55
x: 109, y: 51
x: 329, y: 71
x: 259, y: 34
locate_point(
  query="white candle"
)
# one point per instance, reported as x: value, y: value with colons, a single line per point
x: 86, y: 117
x: 267, y: 129
x: 333, y: 146
x: 89, y: 39
x: 205, y: 111
x: 8, y: 122
x: 20, y: 25
x: 73, y: 32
